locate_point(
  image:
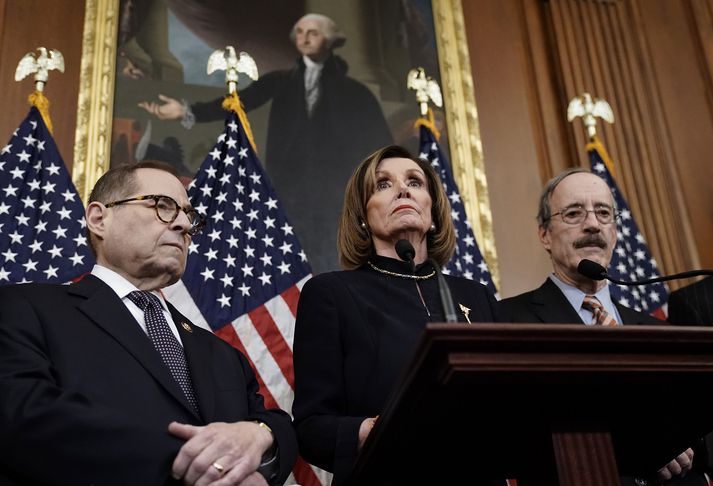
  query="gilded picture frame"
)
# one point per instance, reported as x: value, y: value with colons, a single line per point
x: 96, y: 98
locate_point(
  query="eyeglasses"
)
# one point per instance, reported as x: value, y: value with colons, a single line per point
x: 167, y: 210
x: 576, y: 213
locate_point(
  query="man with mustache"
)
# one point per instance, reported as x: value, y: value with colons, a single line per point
x: 577, y: 220
x: 104, y: 382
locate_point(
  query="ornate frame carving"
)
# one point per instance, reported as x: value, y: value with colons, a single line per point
x: 96, y: 97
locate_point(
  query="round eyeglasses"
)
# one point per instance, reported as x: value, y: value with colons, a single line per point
x: 576, y: 214
x: 167, y: 210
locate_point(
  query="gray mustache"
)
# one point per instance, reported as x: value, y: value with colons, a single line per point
x: 591, y: 240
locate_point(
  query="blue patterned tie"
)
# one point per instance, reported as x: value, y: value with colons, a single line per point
x: 165, y: 342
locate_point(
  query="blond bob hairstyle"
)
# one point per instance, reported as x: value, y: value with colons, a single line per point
x: 354, y: 242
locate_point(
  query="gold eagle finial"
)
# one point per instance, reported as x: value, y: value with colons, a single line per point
x: 41, y: 65
x: 589, y: 109
x: 226, y: 60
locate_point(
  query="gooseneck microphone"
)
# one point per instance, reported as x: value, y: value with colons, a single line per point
x: 595, y: 271
x: 405, y: 251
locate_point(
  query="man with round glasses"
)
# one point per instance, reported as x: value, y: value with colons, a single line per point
x: 577, y: 220
x: 104, y: 382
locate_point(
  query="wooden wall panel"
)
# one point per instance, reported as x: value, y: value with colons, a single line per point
x: 24, y: 26
x: 507, y: 100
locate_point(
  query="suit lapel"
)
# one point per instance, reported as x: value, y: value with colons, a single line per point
x: 551, y: 306
x: 104, y: 308
x: 197, y: 346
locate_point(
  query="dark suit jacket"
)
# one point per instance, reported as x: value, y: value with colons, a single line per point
x: 547, y: 304
x: 692, y: 304
x: 355, y: 333
x: 86, y: 399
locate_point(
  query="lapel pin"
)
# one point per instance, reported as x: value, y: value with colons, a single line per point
x: 466, y: 312
x: 187, y: 326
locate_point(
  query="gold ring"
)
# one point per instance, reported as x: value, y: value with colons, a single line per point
x: 218, y: 467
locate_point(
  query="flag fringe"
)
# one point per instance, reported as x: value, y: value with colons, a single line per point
x: 596, y: 144
x: 40, y: 101
x: 232, y: 103
x: 429, y: 123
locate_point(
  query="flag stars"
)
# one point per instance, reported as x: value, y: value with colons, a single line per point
x: 229, y: 261
x: 34, y: 185
x: 22, y: 220
x: 255, y: 178
x: 55, y: 251
x: 30, y: 265
x: 469, y: 241
x: 9, y: 255
x: 41, y: 146
x: 46, y: 206
x: 36, y: 246
x: 41, y: 226
x: 15, y: 237
x: 247, y: 270
x: 4, y: 208
x: 238, y: 205
x: 251, y: 233
x: 53, y: 169
x: 264, y: 278
x: 68, y: 195
x: 207, y: 274
x: 17, y: 173
x: 236, y: 223
x: 77, y: 259
x: 287, y: 229
x: 286, y: 248
x: 228, y: 160
x: 224, y: 179
x: 10, y: 191
x: 303, y: 255
x: 59, y: 232
x: 215, y: 154
x: 271, y: 203
x: 267, y: 240
x: 4, y: 275
x: 23, y: 156
x: 244, y: 289
x: 254, y: 196
x: 266, y: 260
x: 211, y: 254
x: 233, y: 126
x: 211, y: 171
x: 6, y: 149
x: 243, y: 153
x: 269, y: 222
x: 284, y: 268
x: 218, y: 216
x: 227, y: 280
x: 233, y: 241
x: 64, y: 213
x: 253, y: 214
x: 232, y: 143
x: 80, y: 240
x: 214, y: 235
x: 224, y: 301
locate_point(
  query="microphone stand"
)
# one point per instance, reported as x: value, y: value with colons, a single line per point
x: 445, y: 292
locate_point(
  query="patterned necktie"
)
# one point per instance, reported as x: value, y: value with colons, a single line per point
x: 601, y: 316
x: 165, y: 342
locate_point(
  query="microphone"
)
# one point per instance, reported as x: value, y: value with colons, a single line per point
x: 595, y: 271
x: 404, y: 249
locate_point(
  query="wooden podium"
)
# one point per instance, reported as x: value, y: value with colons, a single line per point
x: 566, y: 405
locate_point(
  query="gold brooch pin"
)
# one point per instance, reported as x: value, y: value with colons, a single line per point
x: 187, y: 326
x: 466, y: 312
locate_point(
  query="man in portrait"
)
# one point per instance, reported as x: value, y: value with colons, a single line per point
x: 321, y: 124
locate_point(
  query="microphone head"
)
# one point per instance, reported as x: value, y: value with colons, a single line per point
x: 404, y: 249
x: 592, y: 270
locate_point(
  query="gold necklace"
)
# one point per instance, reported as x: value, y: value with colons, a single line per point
x: 402, y: 275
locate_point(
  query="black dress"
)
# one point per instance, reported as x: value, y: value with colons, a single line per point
x: 355, y: 332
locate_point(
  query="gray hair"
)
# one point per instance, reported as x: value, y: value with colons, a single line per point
x: 328, y: 27
x: 544, y: 212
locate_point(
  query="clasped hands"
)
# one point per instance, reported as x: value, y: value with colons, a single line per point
x: 220, y: 454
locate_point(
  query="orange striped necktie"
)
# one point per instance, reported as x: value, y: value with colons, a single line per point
x: 601, y: 316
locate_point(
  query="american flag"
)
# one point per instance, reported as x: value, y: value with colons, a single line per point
x: 246, y: 269
x: 631, y: 259
x: 42, y: 227
x: 467, y: 261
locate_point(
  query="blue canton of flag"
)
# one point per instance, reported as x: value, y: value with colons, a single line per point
x: 467, y: 261
x: 631, y: 259
x: 42, y: 227
x: 248, y: 251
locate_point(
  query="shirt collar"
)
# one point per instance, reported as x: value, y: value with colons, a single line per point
x: 119, y: 284
x: 576, y: 296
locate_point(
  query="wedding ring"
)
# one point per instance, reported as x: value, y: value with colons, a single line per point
x: 218, y: 467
